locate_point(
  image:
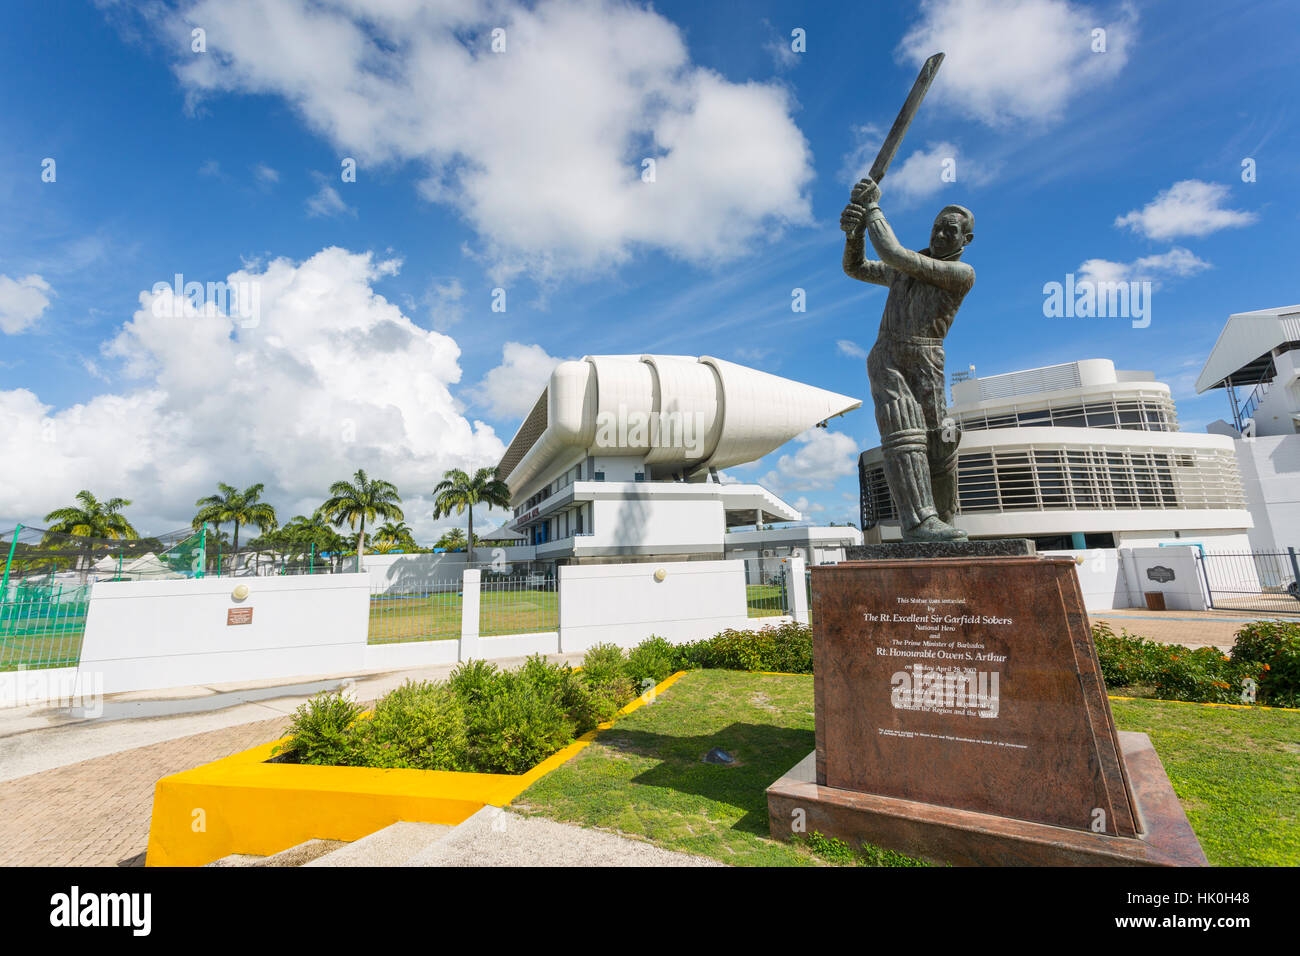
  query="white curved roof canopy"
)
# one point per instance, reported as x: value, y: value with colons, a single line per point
x: 734, y: 414
x: 1243, y: 353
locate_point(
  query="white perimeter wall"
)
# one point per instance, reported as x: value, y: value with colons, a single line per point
x: 147, y: 635
x: 1113, y: 578
x: 1185, y: 592
x: 1270, y: 474
x: 1100, y: 577
x: 142, y: 635
x: 623, y: 604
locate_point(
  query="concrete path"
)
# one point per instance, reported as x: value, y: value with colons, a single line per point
x: 495, y: 837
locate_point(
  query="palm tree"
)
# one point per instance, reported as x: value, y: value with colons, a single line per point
x: 397, y: 535
x: 239, y: 507
x: 93, y: 519
x: 458, y: 491
x: 361, y: 500
x: 452, y: 540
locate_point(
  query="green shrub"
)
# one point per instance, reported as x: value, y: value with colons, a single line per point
x: 1171, y: 671
x: 482, y: 719
x: 603, y: 662
x: 1273, y: 647
x: 542, y: 675
x: 322, y: 730
x: 785, y: 648
x: 1126, y: 660
x: 472, y: 681
x: 421, y: 726
x: 652, y: 661
x: 517, y: 727
x: 589, y: 704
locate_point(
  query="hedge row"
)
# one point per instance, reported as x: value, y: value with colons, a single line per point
x: 1262, y: 667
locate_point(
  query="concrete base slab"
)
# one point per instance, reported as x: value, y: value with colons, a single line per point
x: 394, y: 845
x: 300, y: 855
x: 495, y: 837
x: 944, y: 835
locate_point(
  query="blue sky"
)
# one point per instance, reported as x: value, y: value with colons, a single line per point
x: 377, y: 345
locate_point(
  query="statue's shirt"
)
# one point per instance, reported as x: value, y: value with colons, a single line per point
x: 915, y: 308
x: 924, y: 293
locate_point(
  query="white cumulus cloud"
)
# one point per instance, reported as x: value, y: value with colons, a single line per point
x: 822, y: 458
x: 1016, y: 60
x: 1188, y: 208
x: 511, y: 389
x: 330, y: 378
x: 22, y: 302
x: 540, y: 146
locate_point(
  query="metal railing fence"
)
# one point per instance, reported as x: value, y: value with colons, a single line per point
x: 518, y: 604
x: 430, y: 612
x: 1253, y: 580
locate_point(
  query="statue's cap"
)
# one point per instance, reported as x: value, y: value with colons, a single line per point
x: 961, y: 211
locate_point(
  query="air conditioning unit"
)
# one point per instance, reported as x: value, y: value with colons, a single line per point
x: 767, y: 552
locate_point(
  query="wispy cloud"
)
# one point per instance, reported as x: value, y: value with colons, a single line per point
x: 1177, y: 262
x: 328, y: 202
x: 1188, y: 208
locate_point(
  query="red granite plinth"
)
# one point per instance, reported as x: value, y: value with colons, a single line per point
x: 961, y: 717
x: 944, y: 835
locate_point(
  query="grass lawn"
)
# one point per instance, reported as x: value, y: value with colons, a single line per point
x: 426, y: 617
x: 765, y: 600
x: 32, y: 652
x: 43, y: 641
x: 1235, y: 770
x: 644, y: 777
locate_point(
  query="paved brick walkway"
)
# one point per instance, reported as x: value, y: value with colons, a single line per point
x: 1189, y: 628
x: 96, y: 812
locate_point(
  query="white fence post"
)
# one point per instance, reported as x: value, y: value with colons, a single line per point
x: 469, y: 613
x: 561, y: 579
x: 796, y: 589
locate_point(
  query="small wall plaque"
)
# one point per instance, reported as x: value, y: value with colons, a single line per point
x: 239, y: 615
x: 1160, y: 574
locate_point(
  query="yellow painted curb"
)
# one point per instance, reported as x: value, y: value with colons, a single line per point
x: 242, y: 804
x: 1205, y: 703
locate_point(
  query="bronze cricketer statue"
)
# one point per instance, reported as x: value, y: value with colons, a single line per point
x: 906, y: 364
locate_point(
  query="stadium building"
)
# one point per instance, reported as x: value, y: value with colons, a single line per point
x: 621, y: 459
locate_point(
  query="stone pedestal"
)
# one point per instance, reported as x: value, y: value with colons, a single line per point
x: 980, y: 548
x: 961, y: 717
